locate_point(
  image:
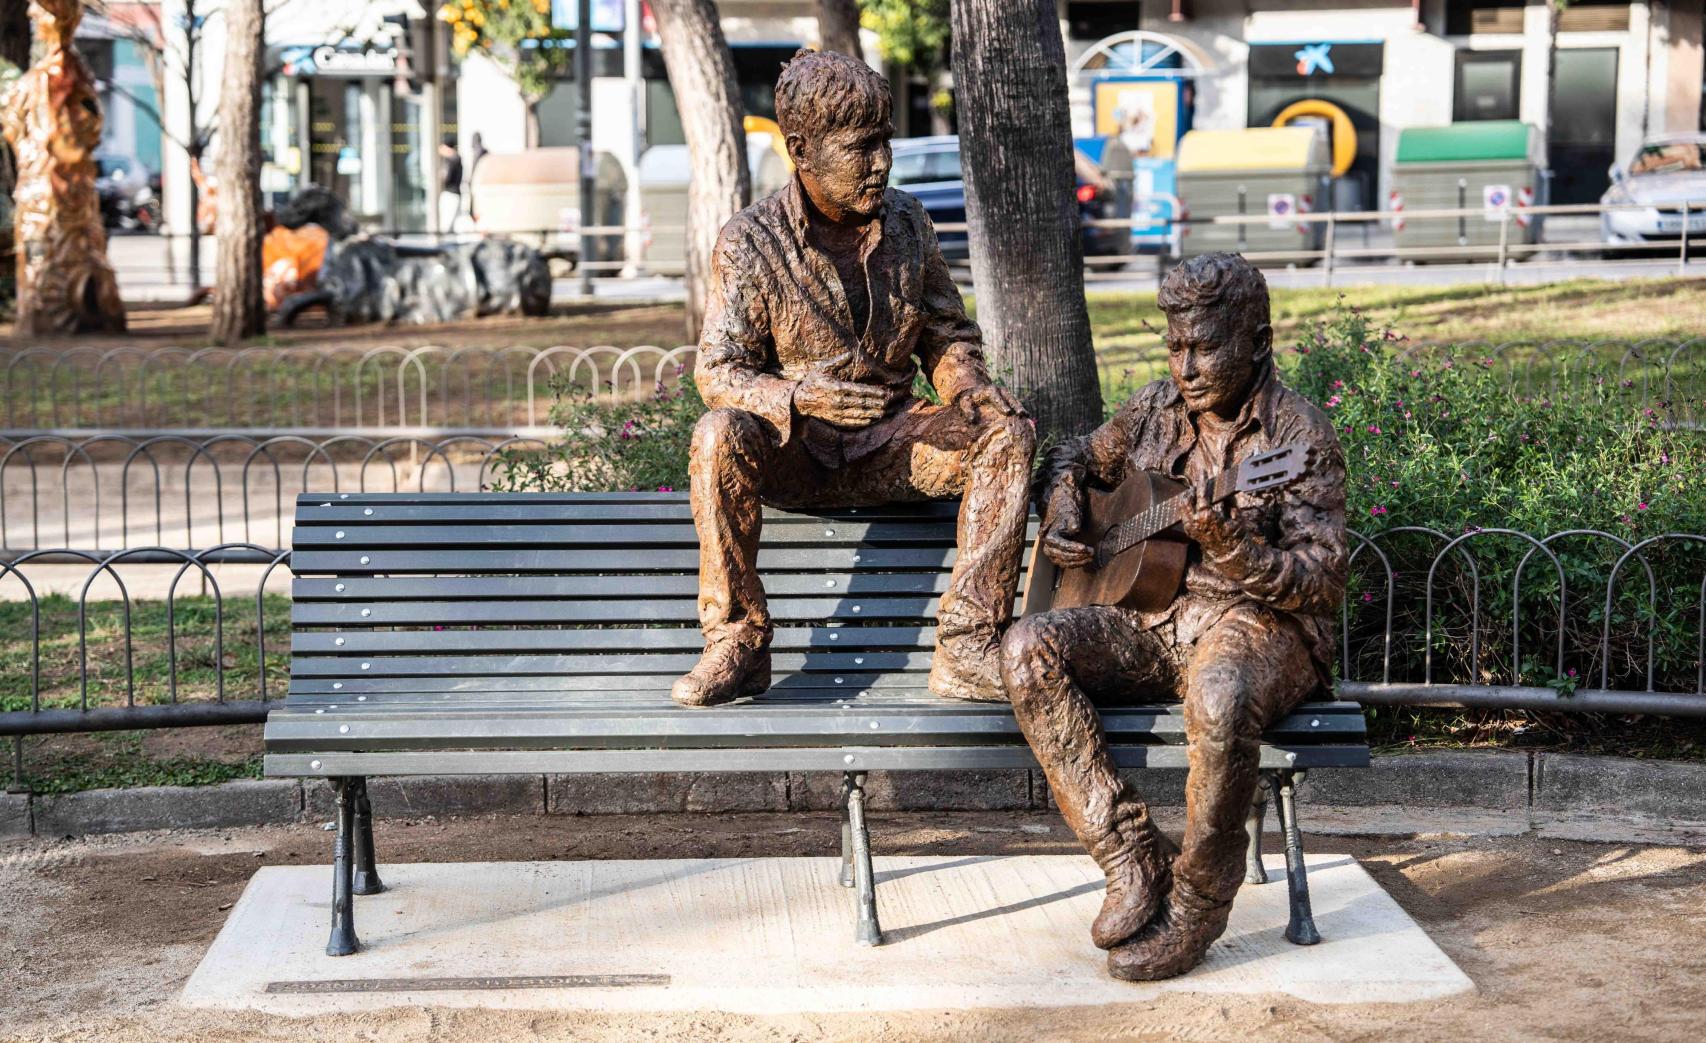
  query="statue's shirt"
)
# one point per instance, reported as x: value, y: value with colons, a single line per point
x: 1299, y: 567
x: 776, y: 311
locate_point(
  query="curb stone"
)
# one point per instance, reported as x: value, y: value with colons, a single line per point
x: 244, y: 802
x: 1466, y: 791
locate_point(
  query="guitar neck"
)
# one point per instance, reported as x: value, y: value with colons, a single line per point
x: 1163, y: 515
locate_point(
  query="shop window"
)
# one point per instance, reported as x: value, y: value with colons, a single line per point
x: 1489, y: 86
x: 1594, y: 18
x: 1466, y: 17
x: 1093, y: 20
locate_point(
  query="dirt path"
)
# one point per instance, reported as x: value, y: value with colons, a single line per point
x: 1566, y: 941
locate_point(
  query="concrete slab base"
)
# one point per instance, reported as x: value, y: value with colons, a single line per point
x: 775, y: 935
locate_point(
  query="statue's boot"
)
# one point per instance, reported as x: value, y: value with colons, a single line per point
x: 1137, y: 861
x: 1207, y: 873
x: 967, y: 666
x: 728, y: 670
x: 1176, y: 940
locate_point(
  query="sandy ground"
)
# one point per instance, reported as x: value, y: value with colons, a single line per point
x: 1566, y: 941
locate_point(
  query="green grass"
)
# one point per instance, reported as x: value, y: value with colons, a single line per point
x: 113, y: 760
x: 151, y: 668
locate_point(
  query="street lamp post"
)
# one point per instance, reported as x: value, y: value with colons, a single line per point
x: 583, y: 129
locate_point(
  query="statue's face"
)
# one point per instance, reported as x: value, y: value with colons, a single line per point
x: 846, y: 171
x: 1213, y: 355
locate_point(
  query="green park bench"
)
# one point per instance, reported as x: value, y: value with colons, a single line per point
x: 442, y: 634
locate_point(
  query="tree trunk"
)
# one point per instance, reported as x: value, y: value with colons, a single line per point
x: 15, y: 49
x: 1026, y: 255
x: 703, y: 71
x: 238, y: 308
x: 838, y: 26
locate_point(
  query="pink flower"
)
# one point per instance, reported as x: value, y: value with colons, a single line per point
x: 1374, y: 429
x: 1415, y: 373
x: 1641, y: 506
x: 1335, y: 400
x: 666, y: 489
x: 1376, y: 511
x: 1394, y: 484
x: 1366, y: 598
x: 1337, y: 384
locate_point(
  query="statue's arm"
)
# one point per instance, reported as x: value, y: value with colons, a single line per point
x: 1305, y: 570
x: 950, y: 345
x: 736, y: 363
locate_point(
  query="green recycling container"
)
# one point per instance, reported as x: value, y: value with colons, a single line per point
x: 1487, y: 166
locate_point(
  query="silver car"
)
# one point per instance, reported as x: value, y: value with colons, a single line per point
x: 1652, y: 187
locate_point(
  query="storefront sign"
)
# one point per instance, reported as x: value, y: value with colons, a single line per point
x: 1316, y: 60
x: 329, y: 60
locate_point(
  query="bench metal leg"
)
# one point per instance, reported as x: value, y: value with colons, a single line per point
x: 868, y: 931
x: 846, y: 832
x: 1301, y: 930
x: 1254, y: 871
x: 367, y: 880
x: 343, y: 940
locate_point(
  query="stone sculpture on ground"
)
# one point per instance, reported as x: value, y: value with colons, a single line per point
x: 1247, y: 638
x: 821, y: 296
x: 361, y: 279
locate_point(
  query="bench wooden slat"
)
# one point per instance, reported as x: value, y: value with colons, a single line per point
x: 608, y: 562
x: 635, y: 539
x: 409, y: 509
x: 367, y: 614
x: 608, y: 665
x: 831, y: 759
x: 672, y: 500
x: 599, y: 588
x: 614, y: 639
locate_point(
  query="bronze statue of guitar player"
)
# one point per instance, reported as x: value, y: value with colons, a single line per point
x: 1241, y: 633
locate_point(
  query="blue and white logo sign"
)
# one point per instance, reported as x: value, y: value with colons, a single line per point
x: 1314, y: 58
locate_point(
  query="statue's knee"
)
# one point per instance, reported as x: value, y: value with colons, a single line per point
x: 1221, y: 705
x: 1010, y: 437
x: 721, y: 431
x: 1030, y: 657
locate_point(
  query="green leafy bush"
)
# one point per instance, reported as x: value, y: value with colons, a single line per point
x: 609, y: 445
x: 1442, y: 440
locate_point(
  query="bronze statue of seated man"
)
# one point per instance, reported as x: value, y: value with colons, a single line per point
x: 1246, y: 638
x: 826, y: 300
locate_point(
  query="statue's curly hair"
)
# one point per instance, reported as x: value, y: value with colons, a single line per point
x: 1223, y: 280
x: 823, y: 91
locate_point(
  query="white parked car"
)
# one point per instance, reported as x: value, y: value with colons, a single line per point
x: 1652, y: 187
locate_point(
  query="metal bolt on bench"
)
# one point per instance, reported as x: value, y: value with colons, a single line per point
x: 538, y: 633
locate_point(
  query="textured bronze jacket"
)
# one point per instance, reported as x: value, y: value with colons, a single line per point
x: 1298, y: 563
x: 775, y: 311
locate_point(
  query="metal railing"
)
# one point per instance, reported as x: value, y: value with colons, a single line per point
x: 1427, y: 622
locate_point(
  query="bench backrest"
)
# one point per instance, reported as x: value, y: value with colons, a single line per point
x: 438, y: 592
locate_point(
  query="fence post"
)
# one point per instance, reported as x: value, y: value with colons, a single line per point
x: 1504, y: 240
x: 1682, y: 262
x: 1332, y: 229
x: 19, y: 783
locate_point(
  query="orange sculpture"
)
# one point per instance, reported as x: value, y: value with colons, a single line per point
x: 52, y: 118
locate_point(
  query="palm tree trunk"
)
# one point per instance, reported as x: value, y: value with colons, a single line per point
x: 238, y: 308
x: 838, y: 26
x: 1026, y: 255
x: 703, y: 74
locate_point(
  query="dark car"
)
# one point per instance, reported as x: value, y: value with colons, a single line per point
x: 929, y: 168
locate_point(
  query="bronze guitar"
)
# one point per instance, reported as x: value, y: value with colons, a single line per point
x: 1134, y: 530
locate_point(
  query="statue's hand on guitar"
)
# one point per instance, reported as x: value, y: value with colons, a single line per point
x: 1062, y: 522
x: 1211, y: 526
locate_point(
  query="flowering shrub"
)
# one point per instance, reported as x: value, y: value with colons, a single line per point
x: 1441, y: 440
x: 609, y: 446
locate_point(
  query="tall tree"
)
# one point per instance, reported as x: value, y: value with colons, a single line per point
x: 1026, y: 255
x: 238, y: 307
x: 520, y: 38
x: 913, y: 35
x: 838, y: 26
x: 700, y: 66
x: 14, y: 58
